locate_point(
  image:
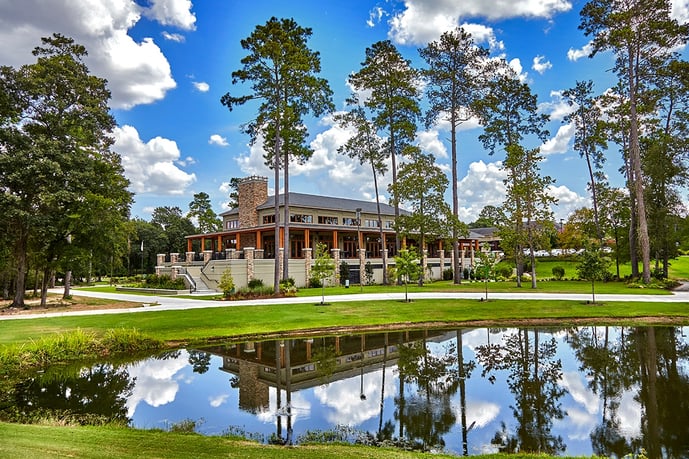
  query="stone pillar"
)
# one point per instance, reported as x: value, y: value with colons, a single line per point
x: 190, y: 257
x: 174, y: 257
x: 258, y: 254
x: 231, y: 254
x: 159, y: 270
x: 207, y: 255
x: 249, y: 255
x: 362, y: 265
x: 307, y: 263
x: 281, y: 261
x: 441, y: 252
x: 160, y: 259
x: 424, y: 264
x: 173, y: 273
x: 385, y: 263
x: 336, y: 258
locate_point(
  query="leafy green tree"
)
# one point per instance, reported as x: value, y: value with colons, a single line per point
x: 367, y: 147
x: 226, y: 283
x: 201, y: 209
x: 148, y: 240
x: 323, y: 267
x: 176, y: 226
x: 393, y: 92
x: 408, y: 267
x: 485, y: 266
x: 589, y: 140
x: 593, y: 266
x: 282, y: 72
x: 233, y: 198
x: 509, y: 113
x: 456, y: 79
x: 488, y: 217
x: 62, y: 186
x: 421, y: 185
x: 642, y: 35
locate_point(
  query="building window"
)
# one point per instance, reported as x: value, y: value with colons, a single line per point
x: 322, y: 220
x: 298, y: 218
x: 347, y: 221
x: 389, y: 224
x: 268, y: 219
x: 371, y: 223
x: 230, y: 224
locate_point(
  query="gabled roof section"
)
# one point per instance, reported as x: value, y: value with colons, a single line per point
x: 312, y: 201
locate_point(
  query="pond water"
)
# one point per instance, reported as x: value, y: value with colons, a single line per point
x: 578, y: 391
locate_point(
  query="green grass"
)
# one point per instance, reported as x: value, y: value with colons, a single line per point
x: 22, y: 441
x: 206, y: 323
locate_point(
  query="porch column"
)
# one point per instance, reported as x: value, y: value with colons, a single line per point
x: 336, y: 259
x: 307, y: 263
x: 239, y: 243
x: 259, y: 241
x: 441, y: 252
x: 362, y: 265
x: 307, y: 238
x: 219, y: 248
x: 335, y: 246
x: 281, y: 260
x: 188, y: 245
x: 249, y: 256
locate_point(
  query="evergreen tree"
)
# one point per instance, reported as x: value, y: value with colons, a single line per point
x: 282, y: 72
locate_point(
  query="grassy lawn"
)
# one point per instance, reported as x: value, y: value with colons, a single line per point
x: 206, y: 323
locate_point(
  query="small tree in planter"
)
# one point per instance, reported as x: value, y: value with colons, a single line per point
x: 485, y: 266
x: 226, y: 283
x: 368, y: 270
x: 592, y: 266
x: 407, y: 267
x: 323, y: 267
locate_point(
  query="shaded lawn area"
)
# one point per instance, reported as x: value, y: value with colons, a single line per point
x: 200, y: 324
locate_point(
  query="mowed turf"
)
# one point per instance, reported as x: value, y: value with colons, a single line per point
x: 205, y: 323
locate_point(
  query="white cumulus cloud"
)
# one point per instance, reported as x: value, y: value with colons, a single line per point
x: 151, y: 166
x: 482, y: 186
x: 201, y: 86
x: 424, y: 20
x: 541, y: 65
x: 217, y: 139
x: 559, y: 143
x: 137, y: 71
x: 576, y: 54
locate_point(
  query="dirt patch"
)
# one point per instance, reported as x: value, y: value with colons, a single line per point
x: 57, y: 304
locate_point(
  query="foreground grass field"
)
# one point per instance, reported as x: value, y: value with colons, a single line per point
x: 34, y: 441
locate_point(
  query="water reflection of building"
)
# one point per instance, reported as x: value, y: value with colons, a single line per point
x: 301, y: 363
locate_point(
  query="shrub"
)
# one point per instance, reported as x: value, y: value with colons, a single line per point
x: 288, y: 287
x: 558, y: 272
x: 255, y: 284
x: 368, y: 271
x: 344, y: 272
x: 315, y: 282
x: 448, y: 274
x: 226, y: 283
x: 503, y: 271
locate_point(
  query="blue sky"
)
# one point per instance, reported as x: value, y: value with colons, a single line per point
x: 168, y: 62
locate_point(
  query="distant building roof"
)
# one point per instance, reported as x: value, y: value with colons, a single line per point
x: 324, y: 202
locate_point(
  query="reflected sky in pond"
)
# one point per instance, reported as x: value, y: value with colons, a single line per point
x: 584, y: 391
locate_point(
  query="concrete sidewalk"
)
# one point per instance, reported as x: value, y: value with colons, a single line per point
x: 167, y: 303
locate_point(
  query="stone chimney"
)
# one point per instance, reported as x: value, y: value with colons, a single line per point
x: 253, y: 191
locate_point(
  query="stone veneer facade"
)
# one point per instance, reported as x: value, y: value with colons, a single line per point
x: 253, y: 191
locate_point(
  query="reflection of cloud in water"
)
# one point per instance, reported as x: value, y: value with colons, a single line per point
x: 154, y: 382
x: 574, y: 384
x: 630, y: 413
x: 343, y: 398
x: 218, y: 400
x: 480, y: 412
x: 301, y: 408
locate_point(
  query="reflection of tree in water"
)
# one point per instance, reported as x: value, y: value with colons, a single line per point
x: 98, y: 393
x: 602, y: 360
x: 647, y: 359
x: 427, y: 415
x: 200, y: 361
x: 534, y: 374
x: 326, y: 358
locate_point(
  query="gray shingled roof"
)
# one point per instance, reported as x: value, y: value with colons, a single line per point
x: 313, y: 201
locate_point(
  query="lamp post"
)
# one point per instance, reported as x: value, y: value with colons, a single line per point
x: 358, y: 244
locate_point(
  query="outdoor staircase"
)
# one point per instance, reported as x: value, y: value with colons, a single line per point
x: 201, y: 288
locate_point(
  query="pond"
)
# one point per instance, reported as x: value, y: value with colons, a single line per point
x: 577, y: 391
